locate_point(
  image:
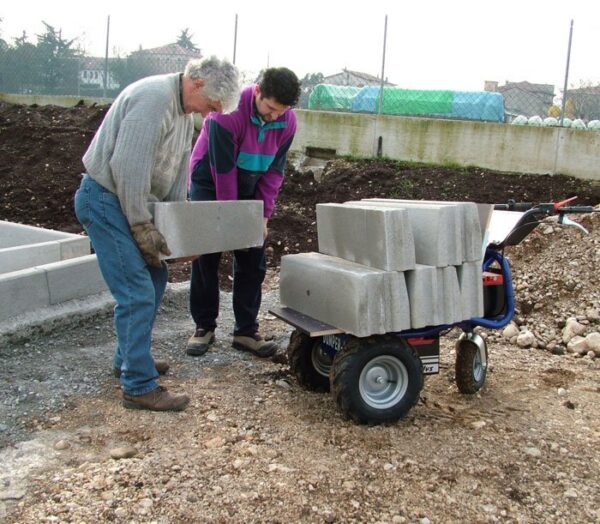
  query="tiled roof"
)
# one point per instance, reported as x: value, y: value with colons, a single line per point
x: 173, y: 50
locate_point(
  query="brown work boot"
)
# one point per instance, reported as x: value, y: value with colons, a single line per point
x: 162, y: 366
x: 158, y: 399
x: 255, y: 344
x: 199, y: 342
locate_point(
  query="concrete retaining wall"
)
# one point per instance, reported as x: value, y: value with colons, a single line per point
x: 503, y: 147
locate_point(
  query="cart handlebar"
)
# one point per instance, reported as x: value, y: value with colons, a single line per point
x: 534, y: 214
x: 550, y: 208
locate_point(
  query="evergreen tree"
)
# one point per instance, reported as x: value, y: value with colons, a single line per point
x: 185, y: 40
x: 58, y: 59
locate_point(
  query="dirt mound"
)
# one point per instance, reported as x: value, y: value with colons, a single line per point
x: 40, y: 162
x: 40, y: 169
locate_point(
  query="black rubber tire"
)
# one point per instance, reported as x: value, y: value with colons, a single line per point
x: 359, y: 354
x: 300, y: 359
x: 470, y: 375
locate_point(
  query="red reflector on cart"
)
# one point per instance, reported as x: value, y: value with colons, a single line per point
x: 420, y: 341
x: 492, y: 279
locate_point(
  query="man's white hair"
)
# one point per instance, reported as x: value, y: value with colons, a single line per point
x: 221, y: 79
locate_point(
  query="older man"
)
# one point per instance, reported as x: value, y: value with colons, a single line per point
x: 140, y: 154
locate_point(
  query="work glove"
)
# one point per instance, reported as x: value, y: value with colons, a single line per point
x: 150, y: 242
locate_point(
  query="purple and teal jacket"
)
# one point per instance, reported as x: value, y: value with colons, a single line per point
x: 238, y: 157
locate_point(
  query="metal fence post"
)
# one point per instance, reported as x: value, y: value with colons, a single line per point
x: 106, y: 58
x: 235, y: 38
x: 564, y: 101
x: 377, y: 142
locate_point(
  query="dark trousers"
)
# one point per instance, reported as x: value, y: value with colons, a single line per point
x: 249, y: 269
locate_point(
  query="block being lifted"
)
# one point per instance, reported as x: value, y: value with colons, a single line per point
x: 197, y: 228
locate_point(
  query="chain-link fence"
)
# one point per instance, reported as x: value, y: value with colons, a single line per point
x: 521, y: 103
x: 55, y: 66
x: 48, y: 70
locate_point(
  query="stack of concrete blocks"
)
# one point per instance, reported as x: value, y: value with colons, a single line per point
x: 389, y: 265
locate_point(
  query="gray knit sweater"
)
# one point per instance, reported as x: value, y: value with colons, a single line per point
x: 141, y: 151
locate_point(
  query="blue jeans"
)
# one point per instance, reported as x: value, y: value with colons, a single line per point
x: 136, y: 287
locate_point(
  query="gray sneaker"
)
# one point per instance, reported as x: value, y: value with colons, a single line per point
x: 199, y: 342
x: 255, y: 344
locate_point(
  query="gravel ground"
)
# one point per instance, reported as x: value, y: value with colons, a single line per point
x: 255, y: 447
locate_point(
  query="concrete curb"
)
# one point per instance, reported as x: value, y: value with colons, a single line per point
x: 69, y: 313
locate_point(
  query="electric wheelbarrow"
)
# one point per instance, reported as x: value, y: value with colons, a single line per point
x: 378, y: 378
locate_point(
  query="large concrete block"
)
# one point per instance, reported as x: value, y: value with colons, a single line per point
x: 435, y: 296
x: 74, y: 278
x: 470, y: 218
x: 396, y: 295
x: 471, y: 289
x: 13, y: 234
x: 436, y: 230
x: 29, y: 255
x: 423, y: 295
x: 22, y: 291
x: 196, y: 228
x: 23, y: 246
x: 449, y: 296
x: 353, y: 297
x: 379, y: 238
x: 74, y: 247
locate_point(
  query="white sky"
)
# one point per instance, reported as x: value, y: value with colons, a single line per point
x: 431, y: 44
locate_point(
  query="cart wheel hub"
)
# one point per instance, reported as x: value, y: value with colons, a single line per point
x: 383, y: 382
x: 376, y: 377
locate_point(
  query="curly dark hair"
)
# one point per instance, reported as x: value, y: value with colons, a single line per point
x: 282, y: 84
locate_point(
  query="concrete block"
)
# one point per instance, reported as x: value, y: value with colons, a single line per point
x: 23, y: 246
x: 449, y: 296
x: 22, y: 291
x: 435, y: 296
x: 74, y: 278
x: 436, y: 230
x: 29, y: 255
x: 471, y: 289
x: 13, y: 234
x: 196, y: 228
x: 379, y: 238
x: 79, y: 246
x: 350, y: 296
x: 423, y: 295
x: 396, y: 296
x: 469, y: 215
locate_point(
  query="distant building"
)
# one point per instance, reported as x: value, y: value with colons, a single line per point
x: 585, y: 102
x: 91, y: 74
x: 170, y: 58
x: 354, y: 79
x: 524, y: 98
